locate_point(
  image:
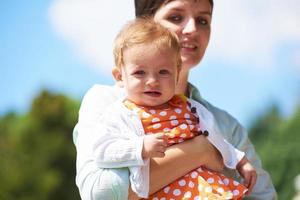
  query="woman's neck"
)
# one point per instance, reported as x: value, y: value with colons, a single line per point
x: 182, y: 84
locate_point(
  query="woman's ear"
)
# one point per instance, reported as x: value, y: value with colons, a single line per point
x: 117, y: 74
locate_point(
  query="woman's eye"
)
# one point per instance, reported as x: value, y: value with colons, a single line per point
x: 202, y: 21
x: 175, y: 18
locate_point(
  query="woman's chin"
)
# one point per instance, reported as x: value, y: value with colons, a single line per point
x: 189, y: 64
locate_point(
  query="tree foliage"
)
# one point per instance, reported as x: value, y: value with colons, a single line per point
x: 37, y: 154
x: 277, y: 142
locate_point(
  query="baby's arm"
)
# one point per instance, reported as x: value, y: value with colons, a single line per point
x: 115, y: 146
x: 181, y: 158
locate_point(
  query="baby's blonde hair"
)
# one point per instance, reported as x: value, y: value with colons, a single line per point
x: 144, y: 31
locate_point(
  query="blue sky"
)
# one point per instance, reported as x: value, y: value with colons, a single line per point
x: 253, y: 59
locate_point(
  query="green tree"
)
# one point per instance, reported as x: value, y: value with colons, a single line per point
x: 277, y: 142
x: 37, y: 153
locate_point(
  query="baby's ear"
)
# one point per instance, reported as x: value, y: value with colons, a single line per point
x: 117, y: 74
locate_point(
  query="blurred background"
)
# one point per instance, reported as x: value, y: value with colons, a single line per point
x: 53, y: 51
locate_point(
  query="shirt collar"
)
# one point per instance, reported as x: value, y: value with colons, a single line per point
x: 194, y: 93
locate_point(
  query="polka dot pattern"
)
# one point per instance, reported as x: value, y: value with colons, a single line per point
x: 204, y: 186
x: 176, y: 121
x: 180, y: 122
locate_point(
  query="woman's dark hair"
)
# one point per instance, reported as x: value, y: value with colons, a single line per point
x: 149, y: 7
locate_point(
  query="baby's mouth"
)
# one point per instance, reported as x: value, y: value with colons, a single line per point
x: 153, y: 93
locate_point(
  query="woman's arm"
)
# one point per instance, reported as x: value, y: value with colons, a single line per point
x: 237, y: 135
x: 93, y: 182
x: 193, y: 153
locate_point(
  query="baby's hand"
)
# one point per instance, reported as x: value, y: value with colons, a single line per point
x: 154, y: 145
x: 248, y: 172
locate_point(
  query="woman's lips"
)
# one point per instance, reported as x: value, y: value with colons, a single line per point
x: 188, y: 47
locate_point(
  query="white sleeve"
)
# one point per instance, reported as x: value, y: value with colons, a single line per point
x: 115, y: 145
x: 231, y: 156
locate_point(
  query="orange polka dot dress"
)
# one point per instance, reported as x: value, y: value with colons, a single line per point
x: 180, y: 122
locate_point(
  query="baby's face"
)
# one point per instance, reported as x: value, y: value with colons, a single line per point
x: 149, y: 74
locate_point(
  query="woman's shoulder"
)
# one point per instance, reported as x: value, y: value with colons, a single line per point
x: 221, y: 115
x: 227, y: 124
x: 216, y: 111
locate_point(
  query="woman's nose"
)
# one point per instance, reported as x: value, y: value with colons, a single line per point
x: 189, y: 27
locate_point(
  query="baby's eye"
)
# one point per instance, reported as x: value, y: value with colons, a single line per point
x: 164, y: 72
x: 139, y: 73
x: 175, y: 18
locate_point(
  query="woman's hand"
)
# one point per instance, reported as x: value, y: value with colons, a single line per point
x: 193, y: 153
x: 248, y: 172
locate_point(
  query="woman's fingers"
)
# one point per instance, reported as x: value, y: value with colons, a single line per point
x: 252, y: 181
x: 249, y: 181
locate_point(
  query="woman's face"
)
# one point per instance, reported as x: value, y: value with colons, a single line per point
x: 190, y: 20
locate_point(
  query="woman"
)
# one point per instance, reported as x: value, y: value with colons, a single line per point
x: 190, y: 20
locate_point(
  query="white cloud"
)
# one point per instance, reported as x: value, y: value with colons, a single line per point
x: 243, y: 31
x: 250, y: 31
x: 91, y: 26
